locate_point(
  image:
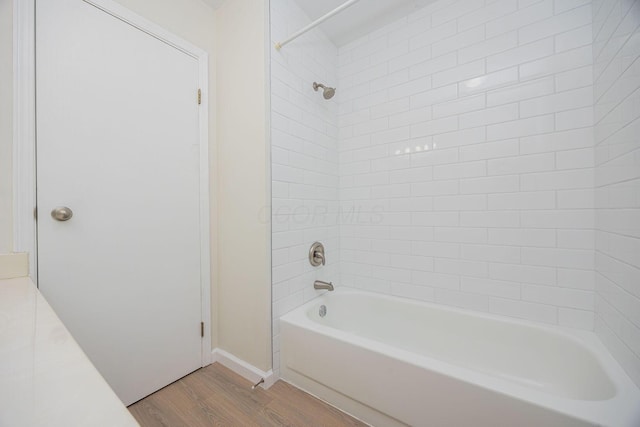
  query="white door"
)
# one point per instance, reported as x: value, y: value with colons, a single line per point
x: 118, y: 144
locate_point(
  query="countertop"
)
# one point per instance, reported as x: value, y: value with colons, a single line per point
x: 45, y: 378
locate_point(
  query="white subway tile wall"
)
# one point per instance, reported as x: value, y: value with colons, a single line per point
x: 466, y: 155
x: 457, y: 162
x: 616, y: 72
x: 304, y: 156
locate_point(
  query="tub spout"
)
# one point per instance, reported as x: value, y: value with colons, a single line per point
x: 319, y: 284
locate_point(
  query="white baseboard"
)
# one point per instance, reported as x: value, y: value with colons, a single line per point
x: 14, y: 265
x: 243, y: 368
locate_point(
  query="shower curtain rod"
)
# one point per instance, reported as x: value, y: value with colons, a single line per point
x: 316, y: 23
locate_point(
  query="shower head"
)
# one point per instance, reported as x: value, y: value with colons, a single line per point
x: 327, y: 92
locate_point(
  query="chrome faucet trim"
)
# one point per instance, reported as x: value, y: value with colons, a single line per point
x: 319, y: 284
x: 316, y: 254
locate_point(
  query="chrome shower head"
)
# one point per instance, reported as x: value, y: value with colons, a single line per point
x: 327, y: 92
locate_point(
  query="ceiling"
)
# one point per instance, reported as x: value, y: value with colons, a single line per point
x: 359, y: 19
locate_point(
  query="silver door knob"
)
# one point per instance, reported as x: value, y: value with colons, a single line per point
x: 62, y: 213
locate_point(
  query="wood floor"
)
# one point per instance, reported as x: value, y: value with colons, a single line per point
x: 216, y: 396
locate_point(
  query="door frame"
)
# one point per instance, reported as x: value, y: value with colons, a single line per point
x: 25, y: 237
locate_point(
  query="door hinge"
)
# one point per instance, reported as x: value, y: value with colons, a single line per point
x: 199, y: 96
x: 202, y: 329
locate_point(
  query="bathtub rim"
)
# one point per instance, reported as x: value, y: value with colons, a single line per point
x: 619, y: 408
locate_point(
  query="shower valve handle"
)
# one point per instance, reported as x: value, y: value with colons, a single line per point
x: 316, y: 254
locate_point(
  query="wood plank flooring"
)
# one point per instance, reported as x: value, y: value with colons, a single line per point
x: 216, y: 396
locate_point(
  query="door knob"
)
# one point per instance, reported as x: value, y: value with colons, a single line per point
x: 62, y: 213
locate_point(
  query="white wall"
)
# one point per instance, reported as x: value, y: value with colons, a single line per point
x: 6, y: 125
x: 244, y: 303
x: 304, y: 159
x: 616, y: 50
x: 466, y: 150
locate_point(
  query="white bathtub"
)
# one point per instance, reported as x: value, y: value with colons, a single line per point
x: 393, y: 361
